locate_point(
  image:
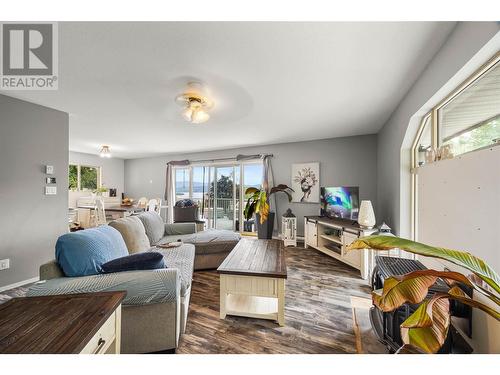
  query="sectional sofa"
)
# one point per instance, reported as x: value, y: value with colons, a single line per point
x: 154, y: 312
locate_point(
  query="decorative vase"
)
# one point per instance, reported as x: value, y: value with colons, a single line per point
x: 366, y: 216
x: 265, y: 230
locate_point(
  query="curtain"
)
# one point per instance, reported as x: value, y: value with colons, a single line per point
x: 169, y: 188
x: 267, y: 184
x: 169, y: 193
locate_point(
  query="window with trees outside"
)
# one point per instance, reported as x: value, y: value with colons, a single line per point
x: 467, y: 120
x: 84, y: 178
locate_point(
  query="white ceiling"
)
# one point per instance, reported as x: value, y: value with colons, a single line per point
x: 271, y: 82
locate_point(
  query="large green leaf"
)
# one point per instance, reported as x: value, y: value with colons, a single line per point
x: 412, y: 287
x: 461, y: 258
x: 428, y: 326
x: 263, y: 207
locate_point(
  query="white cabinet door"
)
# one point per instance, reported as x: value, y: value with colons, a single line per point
x: 352, y: 257
x: 312, y: 234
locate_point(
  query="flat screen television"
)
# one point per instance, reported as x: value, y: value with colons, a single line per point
x: 340, y: 202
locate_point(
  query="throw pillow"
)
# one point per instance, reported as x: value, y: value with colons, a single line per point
x: 154, y: 225
x: 83, y: 253
x: 148, y: 260
x: 133, y: 233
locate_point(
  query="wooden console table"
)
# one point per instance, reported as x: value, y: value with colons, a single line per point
x: 88, y: 323
x: 252, y: 280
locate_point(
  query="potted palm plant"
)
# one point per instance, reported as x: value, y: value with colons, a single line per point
x: 258, y: 204
x: 427, y: 328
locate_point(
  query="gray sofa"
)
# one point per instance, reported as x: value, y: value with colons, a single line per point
x: 154, y: 311
x: 211, y: 246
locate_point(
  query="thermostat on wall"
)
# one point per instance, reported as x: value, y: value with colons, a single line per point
x: 49, y: 169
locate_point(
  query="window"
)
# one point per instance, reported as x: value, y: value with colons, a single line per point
x: 73, y: 177
x: 470, y: 120
x: 182, y: 188
x: 84, y: 178
x: 217, y: 189
x: 88, y: 178
x: 201, y: 184
x: 467, y: 120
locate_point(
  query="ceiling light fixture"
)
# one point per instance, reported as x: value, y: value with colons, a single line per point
x: 196, y: 105
x: 105, y: 152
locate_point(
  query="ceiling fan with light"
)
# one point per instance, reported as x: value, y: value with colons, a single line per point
x: 196, y: 104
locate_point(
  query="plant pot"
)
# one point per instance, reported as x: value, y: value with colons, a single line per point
x: 265, y: 230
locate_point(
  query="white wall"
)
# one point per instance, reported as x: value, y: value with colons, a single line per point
x: 468, y: 46
x: 459, y: 208
x: 348, y: 161
x: 112, y: 173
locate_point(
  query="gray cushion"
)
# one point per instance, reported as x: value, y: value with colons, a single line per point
x: 182, y: 258
x: 207, y: 242
x: 133, y: 233
x: 154, y: 225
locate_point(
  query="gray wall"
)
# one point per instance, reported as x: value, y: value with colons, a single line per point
x: 349, y: 161
x: 112, y: 173
x: 31, y: 136
x: 393, y: 153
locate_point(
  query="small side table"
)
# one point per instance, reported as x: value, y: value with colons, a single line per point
x: 87, y: 323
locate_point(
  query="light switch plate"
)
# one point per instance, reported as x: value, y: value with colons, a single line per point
x: 49, y: 169
x: 50, y: 190
x: 4, y: 264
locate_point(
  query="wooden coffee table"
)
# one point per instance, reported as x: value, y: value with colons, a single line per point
x: 252, y: 280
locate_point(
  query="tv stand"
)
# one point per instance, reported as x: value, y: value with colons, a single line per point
x: 332, y: 236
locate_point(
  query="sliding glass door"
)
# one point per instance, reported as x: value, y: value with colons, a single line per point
x: 217, y: 190
x: 224, y: 195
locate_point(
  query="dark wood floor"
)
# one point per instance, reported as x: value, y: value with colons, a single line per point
x: 317, y: 311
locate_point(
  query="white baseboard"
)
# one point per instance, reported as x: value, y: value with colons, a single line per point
x: 20, y: 283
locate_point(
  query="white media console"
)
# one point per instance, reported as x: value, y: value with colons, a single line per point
x: 332, y: 236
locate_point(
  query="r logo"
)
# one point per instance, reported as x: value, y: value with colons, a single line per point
x: 27, y: 49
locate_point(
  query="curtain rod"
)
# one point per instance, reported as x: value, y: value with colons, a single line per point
x: 236, y: 158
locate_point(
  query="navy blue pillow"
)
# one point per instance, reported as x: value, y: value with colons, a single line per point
x: 148, y: 260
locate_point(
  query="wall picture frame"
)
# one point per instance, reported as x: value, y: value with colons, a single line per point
x: 305, y: 182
